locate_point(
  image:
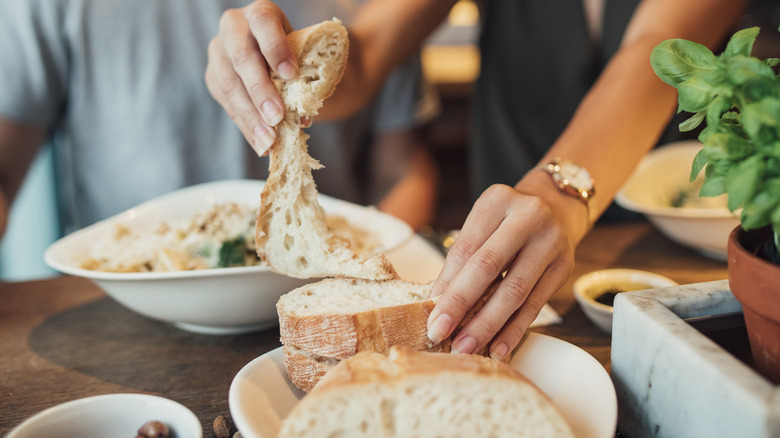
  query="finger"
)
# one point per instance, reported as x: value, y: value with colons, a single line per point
x: 248, y: 63
x: 270, y: 27
x: 511, y: 294
x: 228, y: 89
x: 512, y: 332
x: 480, y: 224
x: 470, y: 284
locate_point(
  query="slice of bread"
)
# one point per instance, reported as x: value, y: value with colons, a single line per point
x: 337, y: 317
x: 292, y: 235
x: 334, y: 319
x: 421, y: 394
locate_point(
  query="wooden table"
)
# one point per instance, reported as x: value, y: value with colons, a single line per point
x: 63, y: 338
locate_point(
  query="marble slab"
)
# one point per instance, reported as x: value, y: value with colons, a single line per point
x: 673, y: 381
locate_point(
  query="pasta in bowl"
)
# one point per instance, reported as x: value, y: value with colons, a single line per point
x: 187, y: 258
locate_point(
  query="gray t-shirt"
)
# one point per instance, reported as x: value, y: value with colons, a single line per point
x: 120, y: 86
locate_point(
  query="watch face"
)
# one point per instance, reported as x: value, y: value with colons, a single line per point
x: 576, y: 175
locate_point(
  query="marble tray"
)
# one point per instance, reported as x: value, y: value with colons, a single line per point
x: 673, y: 381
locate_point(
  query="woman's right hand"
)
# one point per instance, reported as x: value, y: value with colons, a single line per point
x: 250, y: 45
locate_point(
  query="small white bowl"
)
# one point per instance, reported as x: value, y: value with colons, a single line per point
x: 589, y: 286
x: 222, y: 301
x: 119, y: 415
x: 662, y: 174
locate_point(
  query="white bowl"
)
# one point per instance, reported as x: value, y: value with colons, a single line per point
x: 119, y: 415
x: 589, y: 286
x: 650, y: 189
x: 211, y: 301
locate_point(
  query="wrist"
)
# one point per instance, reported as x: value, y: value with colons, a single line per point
x: 571, y: 212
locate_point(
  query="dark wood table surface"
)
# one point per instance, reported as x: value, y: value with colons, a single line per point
x: 62, y: 339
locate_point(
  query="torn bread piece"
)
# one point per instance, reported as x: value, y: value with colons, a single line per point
x: 422, y: 394
x: 292, y: 235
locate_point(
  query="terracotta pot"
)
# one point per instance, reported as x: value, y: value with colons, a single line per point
x: 755, y: 282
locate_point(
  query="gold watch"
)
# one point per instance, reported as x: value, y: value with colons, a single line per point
x: 573, y: 180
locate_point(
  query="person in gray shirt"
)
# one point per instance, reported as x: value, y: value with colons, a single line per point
x: 116, y: 87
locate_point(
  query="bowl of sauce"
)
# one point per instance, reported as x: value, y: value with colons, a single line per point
x: 596, y: 291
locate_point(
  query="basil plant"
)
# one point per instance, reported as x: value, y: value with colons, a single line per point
x: 739, y: 98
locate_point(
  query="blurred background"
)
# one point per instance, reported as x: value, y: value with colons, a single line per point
x: 451, y: 64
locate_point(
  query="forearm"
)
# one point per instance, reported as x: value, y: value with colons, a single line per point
x: 19, y: 144
x: 625, y: 112
x: 383, y: 35
x: 403, y: 177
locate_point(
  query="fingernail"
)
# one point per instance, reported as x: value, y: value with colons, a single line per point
x: 440, y: 328
x: 264, y: 139
x: 287, y: 71
x: 499, y: 352
x: 272, y: 112
x: 465, y: 345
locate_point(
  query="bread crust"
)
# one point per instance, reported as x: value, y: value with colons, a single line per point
x: 341, y: 335
x: 301, y: 42
x: 402, y: 362
x: 332, y: 336
x: 305, y: 370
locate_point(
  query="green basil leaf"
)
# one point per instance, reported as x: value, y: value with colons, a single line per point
x: 743, y: 180
x: 772, y: 150
x: 695, y: 94
x: 676, y: 60
x: 717, y: 107
x: 231, y: 253
x: 774, y: 216
x: 713, y: 186
x: 692, y: 122
x: 758, y: 88
x: 699, y: 161
x: 772, y: 62
x: 760, y: 119
x: 758, y: 211
x: 742, y: 68
x: 741, y: 43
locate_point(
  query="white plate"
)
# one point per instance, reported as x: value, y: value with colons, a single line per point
x: 261, y: 395
x: 218, y: 301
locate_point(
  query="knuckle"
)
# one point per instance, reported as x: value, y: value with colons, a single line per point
x: 461, y: 250
x: 259, y: 14
x: 512, y: 333
x: 275, y: 48
x: 536, y: 203
x: 458, y: 303
x: 245, y: 55
x: 495, y: 194
x: 229, y: 84
x: 533, y: 307
x: 516, y: 289
x: 228, y: 17
x: 248, y: 116
x: 256, y: 89
x: 488, y: 261
x: 484, y: 328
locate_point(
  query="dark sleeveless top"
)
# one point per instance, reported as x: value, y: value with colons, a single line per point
x: 537, y: 64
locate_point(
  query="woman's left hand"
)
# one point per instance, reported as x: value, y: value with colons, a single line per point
x: 506, y: 231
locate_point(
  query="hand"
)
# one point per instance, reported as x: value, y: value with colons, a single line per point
x: 251, y: 42
x: 506, y: 231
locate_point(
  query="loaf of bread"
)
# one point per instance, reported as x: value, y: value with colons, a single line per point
x: 292, y: 235
x: 409, y: 394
